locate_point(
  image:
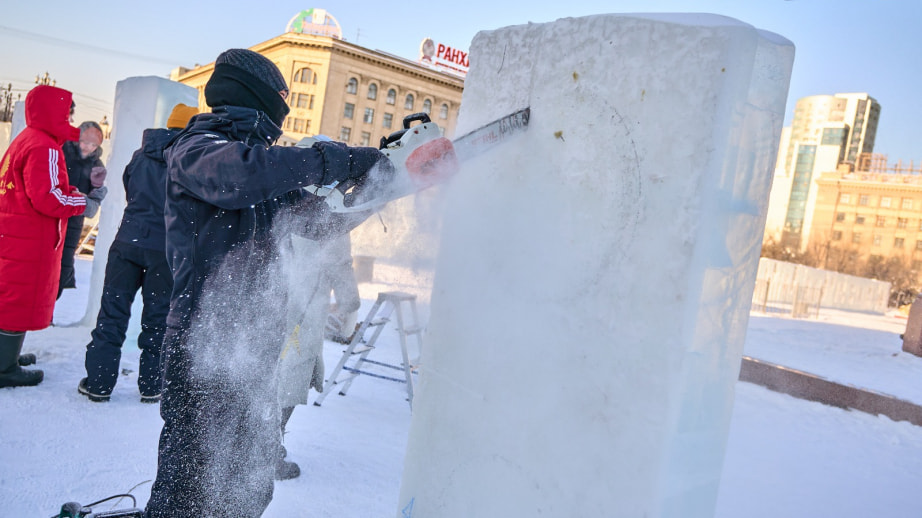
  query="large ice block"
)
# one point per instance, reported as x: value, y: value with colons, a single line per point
x: 140, y: 103
x: 594, y: 276
x: 19, y: 119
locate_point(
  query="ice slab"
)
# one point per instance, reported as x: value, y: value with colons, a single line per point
x: 140, y: 103
x: 19, y: 119
x: 594, y: 276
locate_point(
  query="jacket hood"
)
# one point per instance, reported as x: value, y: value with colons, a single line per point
x: 247, y: 125
x: 48, y: 110
x: 154, y: 140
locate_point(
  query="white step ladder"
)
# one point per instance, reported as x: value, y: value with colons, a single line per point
x: 358, y: 348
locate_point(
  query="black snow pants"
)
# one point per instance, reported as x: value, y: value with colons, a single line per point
x: 130, y: 268
x: 221, y: 434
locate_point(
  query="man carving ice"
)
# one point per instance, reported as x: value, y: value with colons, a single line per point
x: 232, y: 198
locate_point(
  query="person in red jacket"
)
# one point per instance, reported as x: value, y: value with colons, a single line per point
x: 35, y: 202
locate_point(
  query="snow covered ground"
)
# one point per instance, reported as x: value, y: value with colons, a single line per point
x: 785, y: 457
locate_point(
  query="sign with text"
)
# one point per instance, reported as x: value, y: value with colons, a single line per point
x: 442, y: 57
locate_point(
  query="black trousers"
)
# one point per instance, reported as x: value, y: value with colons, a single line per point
x: 130, y: 268
x: 221, y: 433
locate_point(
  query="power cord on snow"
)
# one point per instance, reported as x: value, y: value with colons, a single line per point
x: 75, y: 510
x: 134, y: 503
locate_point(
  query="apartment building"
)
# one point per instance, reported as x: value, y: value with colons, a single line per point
x: 869, y: 213
x: 826, y: 131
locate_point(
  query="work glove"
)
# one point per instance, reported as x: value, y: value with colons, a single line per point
x: 93, y: 199
x: 97, y: 176
x: 342, y: 163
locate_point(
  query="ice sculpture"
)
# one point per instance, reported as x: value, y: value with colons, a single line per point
x: 140, y: 103
x: 594, y: 277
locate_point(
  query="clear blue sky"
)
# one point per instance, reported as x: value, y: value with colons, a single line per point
x: 868, y: 46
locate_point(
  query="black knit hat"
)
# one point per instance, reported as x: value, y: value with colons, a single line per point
x: 242, y: 77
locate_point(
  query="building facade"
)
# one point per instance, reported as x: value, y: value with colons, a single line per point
x: 862, y: 214
x: 347, y: 92
x: 826, y: 131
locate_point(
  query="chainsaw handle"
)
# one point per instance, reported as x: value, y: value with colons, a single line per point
x: 422, y: 117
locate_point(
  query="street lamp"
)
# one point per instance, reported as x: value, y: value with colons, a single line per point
x: 6, y: 97
x: 104, y: 124
x: 45, y: 80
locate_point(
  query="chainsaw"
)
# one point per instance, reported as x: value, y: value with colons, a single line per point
x: 421, y: 158
x: 75, y: 510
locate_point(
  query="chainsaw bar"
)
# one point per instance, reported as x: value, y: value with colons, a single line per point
x: 467, y: 146
x: 491, y: 134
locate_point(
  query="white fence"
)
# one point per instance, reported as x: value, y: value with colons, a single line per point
x: 802, y: 291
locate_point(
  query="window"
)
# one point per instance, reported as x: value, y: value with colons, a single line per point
x: 840, y: 217
x: 388, y: 120
x: 875, y: 240
x: 369, y: 116
x: 366, y: 138
x: 863, y: 199
x: 836, y: 235
x: 856, y: 237
x: 898, y: 242
x: 305, y: 75
x: 443, y: 111
x: 348, y: 111
x: 919, y: 244
x: 885, y: 201
x: 372, y: 91
x: 344, y: 134
x: 859, y: 220
x: 881, y: 221
x: 298, y: 125
x: 917, y: 265
x: 391, y: 96
x: 352, y: 86
x: 408, y: 103
x: 907, y: 203
x: 902, y: 222
x: 427, y: 106
x: 303, y: 101
x: 845, y: 198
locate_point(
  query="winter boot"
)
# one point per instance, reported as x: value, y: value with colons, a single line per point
x: 286, y: 470
x: 151, y: 399
x: 11, y: 373
x: 26, y: 359
x: 96, y: 398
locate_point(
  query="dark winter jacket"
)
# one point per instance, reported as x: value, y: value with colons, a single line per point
x: 35, y: 202
x: 145, y: 190
x: 227, y: 185
x: 78, y: 174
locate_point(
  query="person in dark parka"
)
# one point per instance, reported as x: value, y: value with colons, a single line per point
x: 232, y: 197
x: 86, y: 172
x: 137, y: 260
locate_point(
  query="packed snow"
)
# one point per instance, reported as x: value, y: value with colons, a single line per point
x: 785, y: 457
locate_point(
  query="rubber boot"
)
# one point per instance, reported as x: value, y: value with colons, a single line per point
x: 286, y: 470
x: 26, y: 359
x: 11, y: 374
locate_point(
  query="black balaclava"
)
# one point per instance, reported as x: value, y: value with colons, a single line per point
x: 245, y: 78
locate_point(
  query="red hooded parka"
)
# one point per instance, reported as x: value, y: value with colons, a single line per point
x: 35, y: 202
